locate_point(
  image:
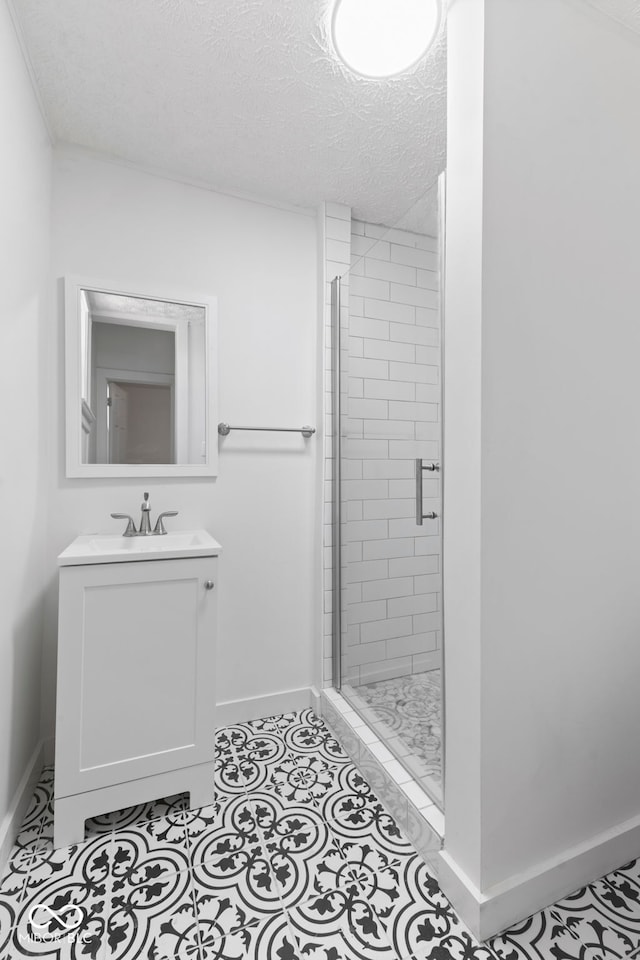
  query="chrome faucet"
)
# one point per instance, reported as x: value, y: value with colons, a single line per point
x: 145, y: 521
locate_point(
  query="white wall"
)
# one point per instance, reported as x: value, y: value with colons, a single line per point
x: 462, y: 438
x: 116, y: 222
x: 543, y: 221
x: 24, y: 249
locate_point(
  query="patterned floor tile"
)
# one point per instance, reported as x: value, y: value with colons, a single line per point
x: 285, y: 720
x: 86, y: 865
x: 233, y: 881
x: 301, y: 780
x: 378, y: 870
x: 339, y: 925
x: 227, y: 777
x: 267, y: 724
x: 39, y: 815
x: 223, y: 743
x: 269, y: 807
x: 261, y: 745
x: 418, y: 919
x: 16, y: 870
x: 458, y: 945
x: 221, y: 916
x: 537, y: 938
x: 348, y: 794
x: 222, y: 830
x: 45, y: 837
x: 372, y: 824
x: 202, y: 820
x: 11, y: 892
x: 65, y: 901
x: 156, y: 920
x: 311, y: 737
x: 605, y: 916
x: 461, y: 947
x: 258, y: 756
x: 296, y: 859
x: 270, y: 939
x: 148, y: 851
x: 236, y: 890
x: 303, y: 854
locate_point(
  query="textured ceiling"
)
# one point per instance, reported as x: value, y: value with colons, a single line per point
x: 243, y: 95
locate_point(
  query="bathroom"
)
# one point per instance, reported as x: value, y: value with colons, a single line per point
x: 540, y: 479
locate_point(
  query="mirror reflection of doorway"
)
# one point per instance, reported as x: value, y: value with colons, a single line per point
x: 139, y: 422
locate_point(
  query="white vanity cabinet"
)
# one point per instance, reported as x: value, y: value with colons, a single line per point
x: 136, y: 681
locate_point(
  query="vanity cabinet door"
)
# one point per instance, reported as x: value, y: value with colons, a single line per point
x: 136, y: 671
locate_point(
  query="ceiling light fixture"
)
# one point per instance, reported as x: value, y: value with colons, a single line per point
x: 382, y: 38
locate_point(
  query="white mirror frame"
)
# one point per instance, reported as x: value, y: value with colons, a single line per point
x: 74, y: 407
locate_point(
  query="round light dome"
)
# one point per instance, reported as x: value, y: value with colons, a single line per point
x: 381, y: 38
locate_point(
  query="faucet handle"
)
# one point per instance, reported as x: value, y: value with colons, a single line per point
x: 159, y: 527
x: 131, y: 527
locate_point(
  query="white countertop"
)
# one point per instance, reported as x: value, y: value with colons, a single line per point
x: 114, y: 548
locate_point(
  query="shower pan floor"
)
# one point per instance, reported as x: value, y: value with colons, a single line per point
x: 409, y: 709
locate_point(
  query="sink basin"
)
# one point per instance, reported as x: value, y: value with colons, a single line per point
x: 114, y: 548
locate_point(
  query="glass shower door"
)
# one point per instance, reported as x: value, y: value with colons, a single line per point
x: 391, y: 657
x: 390, y: 495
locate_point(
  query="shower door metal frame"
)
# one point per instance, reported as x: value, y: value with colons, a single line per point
x: 336, y: 512
x: 442, y: 263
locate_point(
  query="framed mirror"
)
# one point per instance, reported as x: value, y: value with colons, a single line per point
x: 140, y: 382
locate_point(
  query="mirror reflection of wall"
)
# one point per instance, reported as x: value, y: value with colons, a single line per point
x: 142, y: 380
x: 140, y: 423
x: 132, y: 394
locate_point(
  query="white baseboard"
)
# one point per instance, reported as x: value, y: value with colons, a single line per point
x: 10, y: 826
x: 522, y: 895
x: 316, y: 701
x: 253, y: 708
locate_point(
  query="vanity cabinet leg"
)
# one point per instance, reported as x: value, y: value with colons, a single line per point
x: 202, y: 790
x: 68, y: 823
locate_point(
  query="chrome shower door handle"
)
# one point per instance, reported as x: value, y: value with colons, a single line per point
x: 420, y: 467
x: 419, y: 491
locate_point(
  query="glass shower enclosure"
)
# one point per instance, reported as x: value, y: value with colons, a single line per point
x: 387, y: 456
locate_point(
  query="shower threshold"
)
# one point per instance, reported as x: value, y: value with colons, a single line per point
x: 405, y: 712
x: 401, y: 792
